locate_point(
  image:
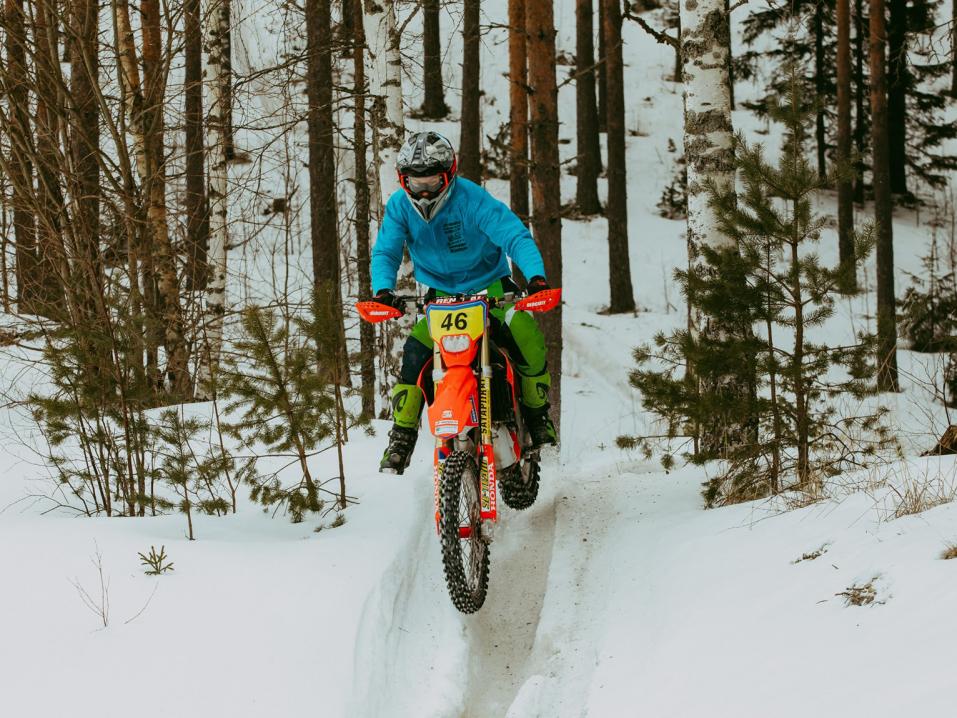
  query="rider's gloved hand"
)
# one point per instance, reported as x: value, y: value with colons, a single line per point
x: 537, y: 284
x: 388, y: 297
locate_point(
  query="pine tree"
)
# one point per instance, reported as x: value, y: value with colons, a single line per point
x: 280, y: 385
x: 471, y: 114
x: 769, y: 291
x: 433, y: 105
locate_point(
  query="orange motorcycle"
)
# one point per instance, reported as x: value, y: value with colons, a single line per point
x: 481, y: 444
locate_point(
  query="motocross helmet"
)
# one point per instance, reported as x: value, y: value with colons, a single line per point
x: 426, y: 166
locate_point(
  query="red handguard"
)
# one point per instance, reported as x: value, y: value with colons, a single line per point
x: 542, y: 301
x: 374, y: 312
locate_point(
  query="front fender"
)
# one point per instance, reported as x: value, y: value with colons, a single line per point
x: 455, y: 408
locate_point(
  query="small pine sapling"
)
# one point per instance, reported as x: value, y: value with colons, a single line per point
x: 156, y: 563
x: 282, y: 384
x: 194, y: 477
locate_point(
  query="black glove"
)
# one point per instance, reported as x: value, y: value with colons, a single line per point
x: 537, y: 284
x: 387, y: 297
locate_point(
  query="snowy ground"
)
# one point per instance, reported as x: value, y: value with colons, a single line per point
x: 615, y: 595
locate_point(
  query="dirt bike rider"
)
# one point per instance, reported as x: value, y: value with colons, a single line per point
x: 459, y: 238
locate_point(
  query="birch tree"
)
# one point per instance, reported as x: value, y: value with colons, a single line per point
x: 218, y: 19
x: 705, y: 38
x: 388, y: 132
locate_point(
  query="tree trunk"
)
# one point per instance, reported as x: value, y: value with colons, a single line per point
x: 21, y: 150
x: 707, y: 124
x: 860, y: 92
x: 845, y: 184
x: 619, y: 269
x: 51, y: 214
x: 587, y: 147
x: 709, y: 154
x: 218, y: 66
x: 363, y: 254
x: 324, y: 230
x: 546, y: 172
x: 471, y: 119
x: 518, y: 109
x: 886, y: 320
x: 819, y: 89
x: 197, y: 207
x: 144, y: 144
x: 433, y: 107
x: 85, y: 137
x: 602, y: 74
x: 897, y: 95
x: 953, y: 48
x: 388, y: 131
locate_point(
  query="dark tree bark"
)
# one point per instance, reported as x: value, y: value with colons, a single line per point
x: 518, y: 115
x: 602, y: 78
x: 197, y: 208
x: 324, y: 231
x: 845, y: 184
x: 471, y: 122
x: 433, y: 106
x: 49, y: 189
x: 860, y: 91
x: 588, y: 149
x: 953, y: 48
x: 21, y: 149
x: 886, y: 320
x: 363, y: 254
x: 619, y: 269
x: 819, y: 89
x: 897, y: 95
x: 546, y: 172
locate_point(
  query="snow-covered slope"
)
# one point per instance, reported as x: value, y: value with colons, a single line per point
x: 615, y: 595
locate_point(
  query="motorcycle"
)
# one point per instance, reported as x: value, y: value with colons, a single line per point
x: 481, y: 443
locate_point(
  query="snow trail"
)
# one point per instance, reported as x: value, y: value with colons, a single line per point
x: 502, y: 634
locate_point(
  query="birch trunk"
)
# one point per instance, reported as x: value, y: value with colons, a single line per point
x: 705, y: 38
x: 388, y: 127
x: 218, y: 19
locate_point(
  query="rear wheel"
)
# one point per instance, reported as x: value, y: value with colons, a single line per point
x: 464, y: 550
x: 519, y: 484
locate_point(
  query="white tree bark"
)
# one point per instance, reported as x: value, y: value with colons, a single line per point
x: 217, y: 76
x: 388, y: 126
x: 705, y: 50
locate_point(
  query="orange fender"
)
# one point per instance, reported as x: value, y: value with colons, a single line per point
x: 455, y: 407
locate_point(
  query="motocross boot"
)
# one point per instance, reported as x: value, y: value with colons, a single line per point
x: 399, y: 452
x: 534, y: 404
x: 540, y: 427
x: 407, y: 401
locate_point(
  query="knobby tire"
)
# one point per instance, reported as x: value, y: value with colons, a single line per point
x: 466, y: 560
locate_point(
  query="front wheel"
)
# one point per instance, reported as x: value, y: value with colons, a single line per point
x: 464, y: 550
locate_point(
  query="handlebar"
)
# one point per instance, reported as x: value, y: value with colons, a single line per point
x: 541, y: 301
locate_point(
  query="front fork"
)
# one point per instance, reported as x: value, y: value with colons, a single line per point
x: 488, y: 477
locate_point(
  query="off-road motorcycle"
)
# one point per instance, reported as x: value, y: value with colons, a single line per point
x: 481, y: 444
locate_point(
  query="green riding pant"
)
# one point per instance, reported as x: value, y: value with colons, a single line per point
x: 515, y: 331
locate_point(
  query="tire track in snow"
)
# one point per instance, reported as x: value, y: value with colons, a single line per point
x: 502, y: 635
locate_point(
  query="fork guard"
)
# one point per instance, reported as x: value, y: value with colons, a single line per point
x: 455, y: 407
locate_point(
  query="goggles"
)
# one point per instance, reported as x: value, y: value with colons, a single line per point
x: 425, y: 187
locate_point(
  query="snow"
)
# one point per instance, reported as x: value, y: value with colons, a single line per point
x: 615, y: 595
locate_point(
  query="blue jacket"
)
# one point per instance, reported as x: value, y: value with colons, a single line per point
x: 462, y: 249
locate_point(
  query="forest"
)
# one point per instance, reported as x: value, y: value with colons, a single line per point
x: 748, y: 205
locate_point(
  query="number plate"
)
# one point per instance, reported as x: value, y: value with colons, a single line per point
x: 464, y: 318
